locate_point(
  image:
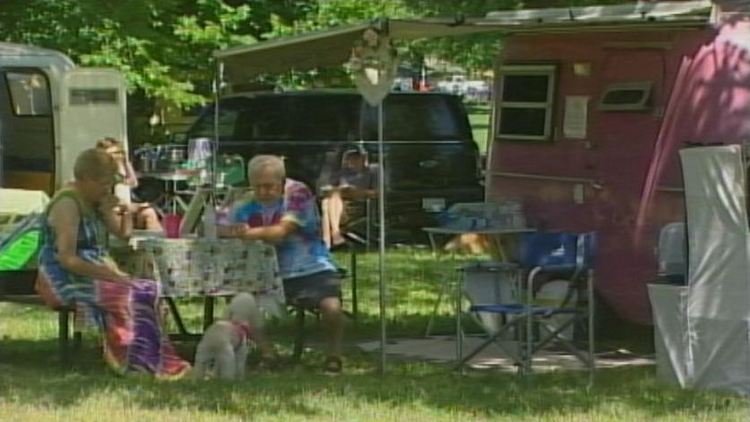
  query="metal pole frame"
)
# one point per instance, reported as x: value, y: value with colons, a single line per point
x: 381, y: 252
x: 217, y: 85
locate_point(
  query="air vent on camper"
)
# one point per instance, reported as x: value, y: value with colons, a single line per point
x: 626, y: 96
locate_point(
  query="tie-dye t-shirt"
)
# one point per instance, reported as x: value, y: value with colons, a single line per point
x: 302, y: 252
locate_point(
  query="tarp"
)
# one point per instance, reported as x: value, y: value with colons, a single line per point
x: 670, y: 332
x: 20, y: 244
x: 718, y: 301
x: 705, y: 328
x: 19, y: 237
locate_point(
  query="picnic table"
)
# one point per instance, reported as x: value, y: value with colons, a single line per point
x: 203, y: 268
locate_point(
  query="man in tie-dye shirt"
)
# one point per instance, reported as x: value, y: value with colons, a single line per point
x: 284, y: 212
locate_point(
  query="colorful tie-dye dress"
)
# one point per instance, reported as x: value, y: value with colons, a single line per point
x: 126, y: 313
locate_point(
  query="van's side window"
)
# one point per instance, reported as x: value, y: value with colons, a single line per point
x: 321, y: 118
x: 29, y: 93
x: 303, y: 118
x: 264, y: 118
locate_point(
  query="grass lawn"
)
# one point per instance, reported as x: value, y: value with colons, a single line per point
x: 34, y: 388
x: 479, y: 118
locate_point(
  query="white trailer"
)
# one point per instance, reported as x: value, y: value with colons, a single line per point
x: 51, y: 110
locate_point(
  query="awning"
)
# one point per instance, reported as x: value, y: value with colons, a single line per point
x: 332, y: 47
x: 327, y: 48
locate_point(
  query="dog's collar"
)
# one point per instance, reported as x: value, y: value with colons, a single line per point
x: 242, y: 327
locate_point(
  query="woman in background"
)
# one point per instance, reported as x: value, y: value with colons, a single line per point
x: 144, y: 215
x: 355, y: 180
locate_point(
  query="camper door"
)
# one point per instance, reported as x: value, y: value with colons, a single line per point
x: 93, y: 106
x: 26, y: 129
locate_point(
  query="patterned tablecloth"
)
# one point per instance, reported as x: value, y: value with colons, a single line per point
x: 199, y: 267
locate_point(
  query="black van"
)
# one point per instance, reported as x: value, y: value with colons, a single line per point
x: 431, y: 159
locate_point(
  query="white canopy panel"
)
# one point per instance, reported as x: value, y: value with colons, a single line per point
x: 703, y: 329
x: 716, y: 309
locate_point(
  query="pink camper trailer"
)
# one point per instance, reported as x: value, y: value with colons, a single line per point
x: 591, y: 109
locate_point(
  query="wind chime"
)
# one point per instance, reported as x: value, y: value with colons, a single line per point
x: 372, y: 65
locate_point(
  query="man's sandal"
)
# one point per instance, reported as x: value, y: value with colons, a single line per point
x: 269, y: 363
x: 333, y: 365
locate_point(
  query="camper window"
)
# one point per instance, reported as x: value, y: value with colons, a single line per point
x: 526, y: 99
x: 627, y: 96
x: 29, y: 92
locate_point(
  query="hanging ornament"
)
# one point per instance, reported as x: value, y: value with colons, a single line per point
x: 372, y: 65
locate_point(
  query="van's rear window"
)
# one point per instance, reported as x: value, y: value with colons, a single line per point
x: 418, y: 118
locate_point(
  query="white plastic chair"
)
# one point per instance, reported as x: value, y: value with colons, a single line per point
x: 672, y: 251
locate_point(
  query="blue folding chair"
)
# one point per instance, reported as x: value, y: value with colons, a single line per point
x: 566, y: 256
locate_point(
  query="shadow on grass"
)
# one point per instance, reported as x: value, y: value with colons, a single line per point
x: 31, y: 375
x: 414, y: 278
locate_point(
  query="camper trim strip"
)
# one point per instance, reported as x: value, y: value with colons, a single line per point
x: 543, y: 177
x: 594, y: 183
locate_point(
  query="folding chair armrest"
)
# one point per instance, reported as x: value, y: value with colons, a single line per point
x: 530, y: 283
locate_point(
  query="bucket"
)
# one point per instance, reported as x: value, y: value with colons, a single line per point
x: 172, y: 225
x: 199, y: 152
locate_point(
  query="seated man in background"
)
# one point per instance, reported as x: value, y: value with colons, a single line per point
x: 355, y: 180
x: 283, y: 212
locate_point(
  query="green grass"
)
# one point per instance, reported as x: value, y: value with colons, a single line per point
x: 34, y: 388
x: 479, y: 118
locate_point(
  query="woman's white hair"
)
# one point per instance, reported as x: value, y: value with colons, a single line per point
x: 263, y: 162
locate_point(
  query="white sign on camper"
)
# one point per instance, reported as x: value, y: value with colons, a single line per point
x: 574, y: 121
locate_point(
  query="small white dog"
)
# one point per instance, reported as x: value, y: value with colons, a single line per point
x: 225, y: 344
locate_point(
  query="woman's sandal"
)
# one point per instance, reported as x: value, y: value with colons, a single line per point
x: 333, y: 365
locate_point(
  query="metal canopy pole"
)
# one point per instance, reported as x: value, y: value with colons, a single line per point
x: 215, y: 147
x: 381, y: 252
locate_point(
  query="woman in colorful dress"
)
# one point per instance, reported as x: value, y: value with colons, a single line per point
x: 75, y: 268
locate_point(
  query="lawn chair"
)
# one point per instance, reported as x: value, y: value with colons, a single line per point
x: 534, y: 325
x: 300, y: 309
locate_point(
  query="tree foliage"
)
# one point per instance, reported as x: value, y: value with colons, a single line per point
x: 164, y: 47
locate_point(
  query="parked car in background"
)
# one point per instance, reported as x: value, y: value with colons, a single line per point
x: 431, y: 160
x: 472, y: 90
